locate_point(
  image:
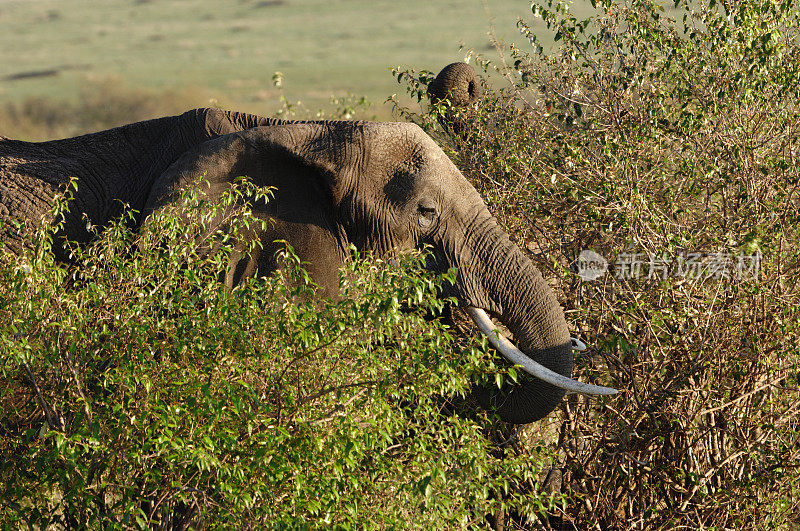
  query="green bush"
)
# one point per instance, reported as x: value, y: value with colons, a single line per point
x: 137, y: 390
x: 664, y: 132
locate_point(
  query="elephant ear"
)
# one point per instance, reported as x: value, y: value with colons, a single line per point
x: 311, y: 167
x: 332, y: 149
x: 324, y: 151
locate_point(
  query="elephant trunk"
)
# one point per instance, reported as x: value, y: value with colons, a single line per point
x: 537, y: 322
x: 458, y: 83
x: 506, y: 283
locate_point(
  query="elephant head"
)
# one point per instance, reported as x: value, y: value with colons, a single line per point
x: 384, y: 187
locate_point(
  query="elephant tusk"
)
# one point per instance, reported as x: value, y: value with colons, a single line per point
x: 516, y: 356
x: 577, y: 344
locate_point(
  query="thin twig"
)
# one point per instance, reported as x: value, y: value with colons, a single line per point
x: 50, y: 416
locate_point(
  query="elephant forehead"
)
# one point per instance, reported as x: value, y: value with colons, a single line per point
x: 406, y: 147
x: 399, y: 138
x: 381, y: 150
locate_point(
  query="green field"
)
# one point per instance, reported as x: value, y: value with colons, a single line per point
x: 229, y: 51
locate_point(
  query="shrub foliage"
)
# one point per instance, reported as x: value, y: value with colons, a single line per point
x: 138, y: 391
x: 667, y: 138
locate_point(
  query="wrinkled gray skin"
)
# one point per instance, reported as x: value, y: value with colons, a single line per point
x: 378, y: 186
x: 458, y: 83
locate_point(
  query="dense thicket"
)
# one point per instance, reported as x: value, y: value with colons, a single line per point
x: 666, y: 141
x: 138, y: 391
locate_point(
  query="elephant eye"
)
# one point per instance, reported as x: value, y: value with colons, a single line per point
x: 428, y: 212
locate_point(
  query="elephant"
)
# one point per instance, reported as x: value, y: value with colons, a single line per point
x: 376, y: 186
x: 454, y: 90
x: 457, y: 83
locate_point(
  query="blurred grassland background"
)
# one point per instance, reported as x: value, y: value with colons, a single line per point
x: 69, y: 67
